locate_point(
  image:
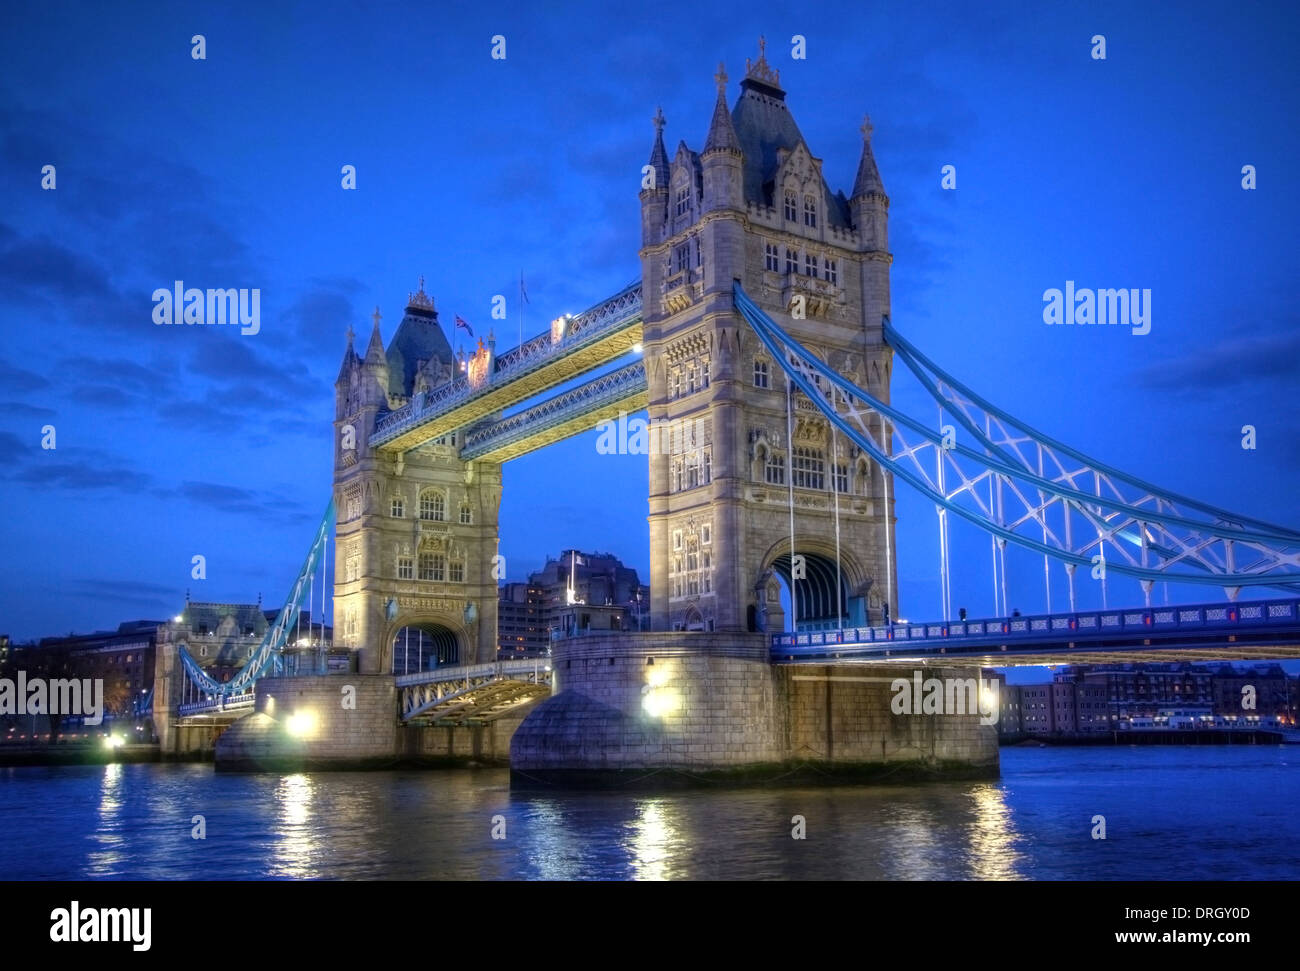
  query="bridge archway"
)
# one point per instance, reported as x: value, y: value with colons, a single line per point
x: 416, y: 644
x: 814, y: 595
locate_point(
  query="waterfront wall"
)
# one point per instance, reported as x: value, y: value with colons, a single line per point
x: 626, y: 707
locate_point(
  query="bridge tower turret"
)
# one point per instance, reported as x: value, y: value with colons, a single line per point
x: 417, y: 528
x: 754, y: 207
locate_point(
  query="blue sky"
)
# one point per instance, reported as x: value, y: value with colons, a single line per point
x: 226, y: 173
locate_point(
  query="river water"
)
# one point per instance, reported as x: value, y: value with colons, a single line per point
x: 1171, y: 812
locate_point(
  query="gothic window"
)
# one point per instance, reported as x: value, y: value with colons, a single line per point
x: 677, y: 539
x: 433, y: 506
x: 699, y: 253
x: 704, y: 373
x: 433, y: 566
x: 405, y: 568
x: 706, y: 534
x: 810, y: 265
x: 832, y: 270
x: 691, y: 376
x: 692, y: 471
x: 683, y: 199
x: 681, y: 257
x: 706, y: 572
x: 457, y: 572
x: 466, y: 515
x: 791, y: 202
x: 706, y: 466
x: 760, y: 374
x: 398, y: 508
x: 774, y: 469
x: 675, y: 479
x: 840, y: 473
x: 772, y: 255
x: 354, y: 507
x: 809, y: 211
x: 675, y: 383
x: 791, y: 261
x: 808, y: 469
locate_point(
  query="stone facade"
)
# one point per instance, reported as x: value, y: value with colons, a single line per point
x: 417, y: 530
x: 662, y: 708
x: 754, y: 207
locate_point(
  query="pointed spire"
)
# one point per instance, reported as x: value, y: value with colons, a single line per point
x: 658, y: 154
x: 722, y: 133
x: 350, y: 358
x: 868, y: 179
x: 375, y: 349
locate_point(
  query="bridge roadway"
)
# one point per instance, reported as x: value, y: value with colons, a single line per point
x: 1260, y: 630
x: 595, y: 337
x: 1256, y: 630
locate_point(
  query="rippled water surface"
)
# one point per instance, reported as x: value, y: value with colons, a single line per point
x: 1170, y: 813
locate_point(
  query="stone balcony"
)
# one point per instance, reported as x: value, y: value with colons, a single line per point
x: 682, y: 289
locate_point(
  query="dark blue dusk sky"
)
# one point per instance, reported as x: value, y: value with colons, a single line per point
x: 226, y: 173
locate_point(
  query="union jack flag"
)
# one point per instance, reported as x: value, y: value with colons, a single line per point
x: 461, y: 322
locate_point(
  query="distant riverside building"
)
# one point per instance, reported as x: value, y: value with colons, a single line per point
x: 1088, y: 700
x: 122, y: 658
x: 571, y: 594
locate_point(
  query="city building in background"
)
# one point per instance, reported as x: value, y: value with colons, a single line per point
x: 572, y: 594
x: 1084, y: 702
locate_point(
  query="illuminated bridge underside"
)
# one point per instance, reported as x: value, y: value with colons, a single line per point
x: 593, y: 338
x: 560, y: 417
x: 471, y: 694
x: 1253, y: 631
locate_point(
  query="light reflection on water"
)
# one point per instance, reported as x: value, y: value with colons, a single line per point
x: 1161, y: 804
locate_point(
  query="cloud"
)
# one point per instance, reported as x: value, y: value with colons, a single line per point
x: 1244, y: 360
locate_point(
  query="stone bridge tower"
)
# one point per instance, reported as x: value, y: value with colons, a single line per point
x: 753, y: 206
x: 417, y: 530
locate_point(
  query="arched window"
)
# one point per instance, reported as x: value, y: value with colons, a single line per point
x: 433, y: 566
x: 433, y: 506
x: 466, y: 515
x: 791, y: 207
x: 809, y: 211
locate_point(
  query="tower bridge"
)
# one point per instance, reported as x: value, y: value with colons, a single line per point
x: 761, y: 321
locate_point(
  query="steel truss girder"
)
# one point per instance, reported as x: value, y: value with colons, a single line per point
x: 595, y: 337
x: 560, y: 417
x: 1222, y: 552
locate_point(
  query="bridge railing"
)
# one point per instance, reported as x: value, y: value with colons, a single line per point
x: 217, y: 703
x: 1080, y: 625
x: 475, y: 671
